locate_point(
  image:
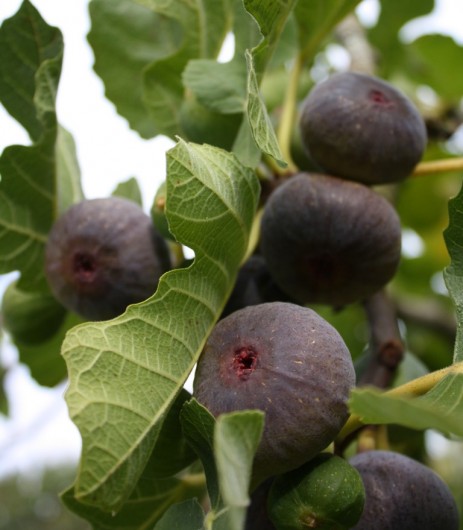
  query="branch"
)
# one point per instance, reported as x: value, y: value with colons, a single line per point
x: 438, y: 166
x: 386, y: 346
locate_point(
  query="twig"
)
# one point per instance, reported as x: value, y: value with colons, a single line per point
x: 438, y: 166
x: 386, y: 346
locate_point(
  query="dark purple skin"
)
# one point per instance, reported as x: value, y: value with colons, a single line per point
x: 256, y: 515
x: 402, y: 493
x: 330, y: 241
x: 254, y: 285
x: 286, y: 360
x: 362, y: 128
x: 102, y: 255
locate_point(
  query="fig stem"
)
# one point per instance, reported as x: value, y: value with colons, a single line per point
x: 416, y: 387
x: 285, y: 127
x: 386, y: 346
x: 438, y: 166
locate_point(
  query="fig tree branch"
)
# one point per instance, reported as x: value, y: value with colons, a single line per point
x: 438, y: 166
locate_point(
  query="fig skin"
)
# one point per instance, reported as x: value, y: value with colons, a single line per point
x: 102, y: 255
x: 254, y: 285
x: 257, y: 514
x: 330, y: 241
x: 287, y: 361
x: 403, y: 493
x: 362, y: 128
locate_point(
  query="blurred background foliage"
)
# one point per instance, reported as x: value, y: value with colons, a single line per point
x: 428, y: 69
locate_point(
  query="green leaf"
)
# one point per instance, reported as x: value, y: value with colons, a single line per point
x: 187, y: 515
x: 30, y: 317
x: 435, y: 59
x: 125, y: 373
x: 129, y: 190
x: 37, y: 181
x: 259, y: 120
x: 316, y: 19
x: 198, y: 428
x: 4, y: 405
x: 384, y: 35
x: 453, y: 274
x: 26, y: 42
x: 44, y: 359
x: 441, y: 408
x: 244, y: 147
x: 236, y: 438
x: 146, y: 506
x: 271, y: 17
x: 126, y: 37
x: 172, y: 452
x: 218, y: 86
x: 69, y: 186
x: 226, y: 447
x: 204, y: 25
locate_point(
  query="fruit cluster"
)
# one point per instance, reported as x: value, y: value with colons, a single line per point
x: 326, y: 238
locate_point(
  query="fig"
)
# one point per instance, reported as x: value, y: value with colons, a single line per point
x: 254, y: 285
x: 257, y: 514
x: 362, y: 128
x: 102, y: 255
x: 403, y: 493
x: 330, y: 241
x: 326, y: 493
x: 30, y: 317
x: 287, y: 361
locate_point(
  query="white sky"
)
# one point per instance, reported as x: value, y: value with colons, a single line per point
x: 39, y: 431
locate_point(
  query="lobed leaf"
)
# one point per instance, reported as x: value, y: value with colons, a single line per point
x: 37, y: 181
x: 125, y: 373
x: 163, y: 88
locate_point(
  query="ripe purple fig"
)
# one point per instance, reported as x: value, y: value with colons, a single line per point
x: 403, y: 493
x: 287, y: 361
x: 362, y: 128
x: 102, y: 255
x: 330, y: 241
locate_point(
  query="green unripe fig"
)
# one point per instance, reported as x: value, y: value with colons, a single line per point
x: 362, y: 128
x: 401, y: 493
x: 30, y: 317
x: 326, y: 493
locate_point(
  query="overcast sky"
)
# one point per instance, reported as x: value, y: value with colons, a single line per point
x: 108, y: 152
